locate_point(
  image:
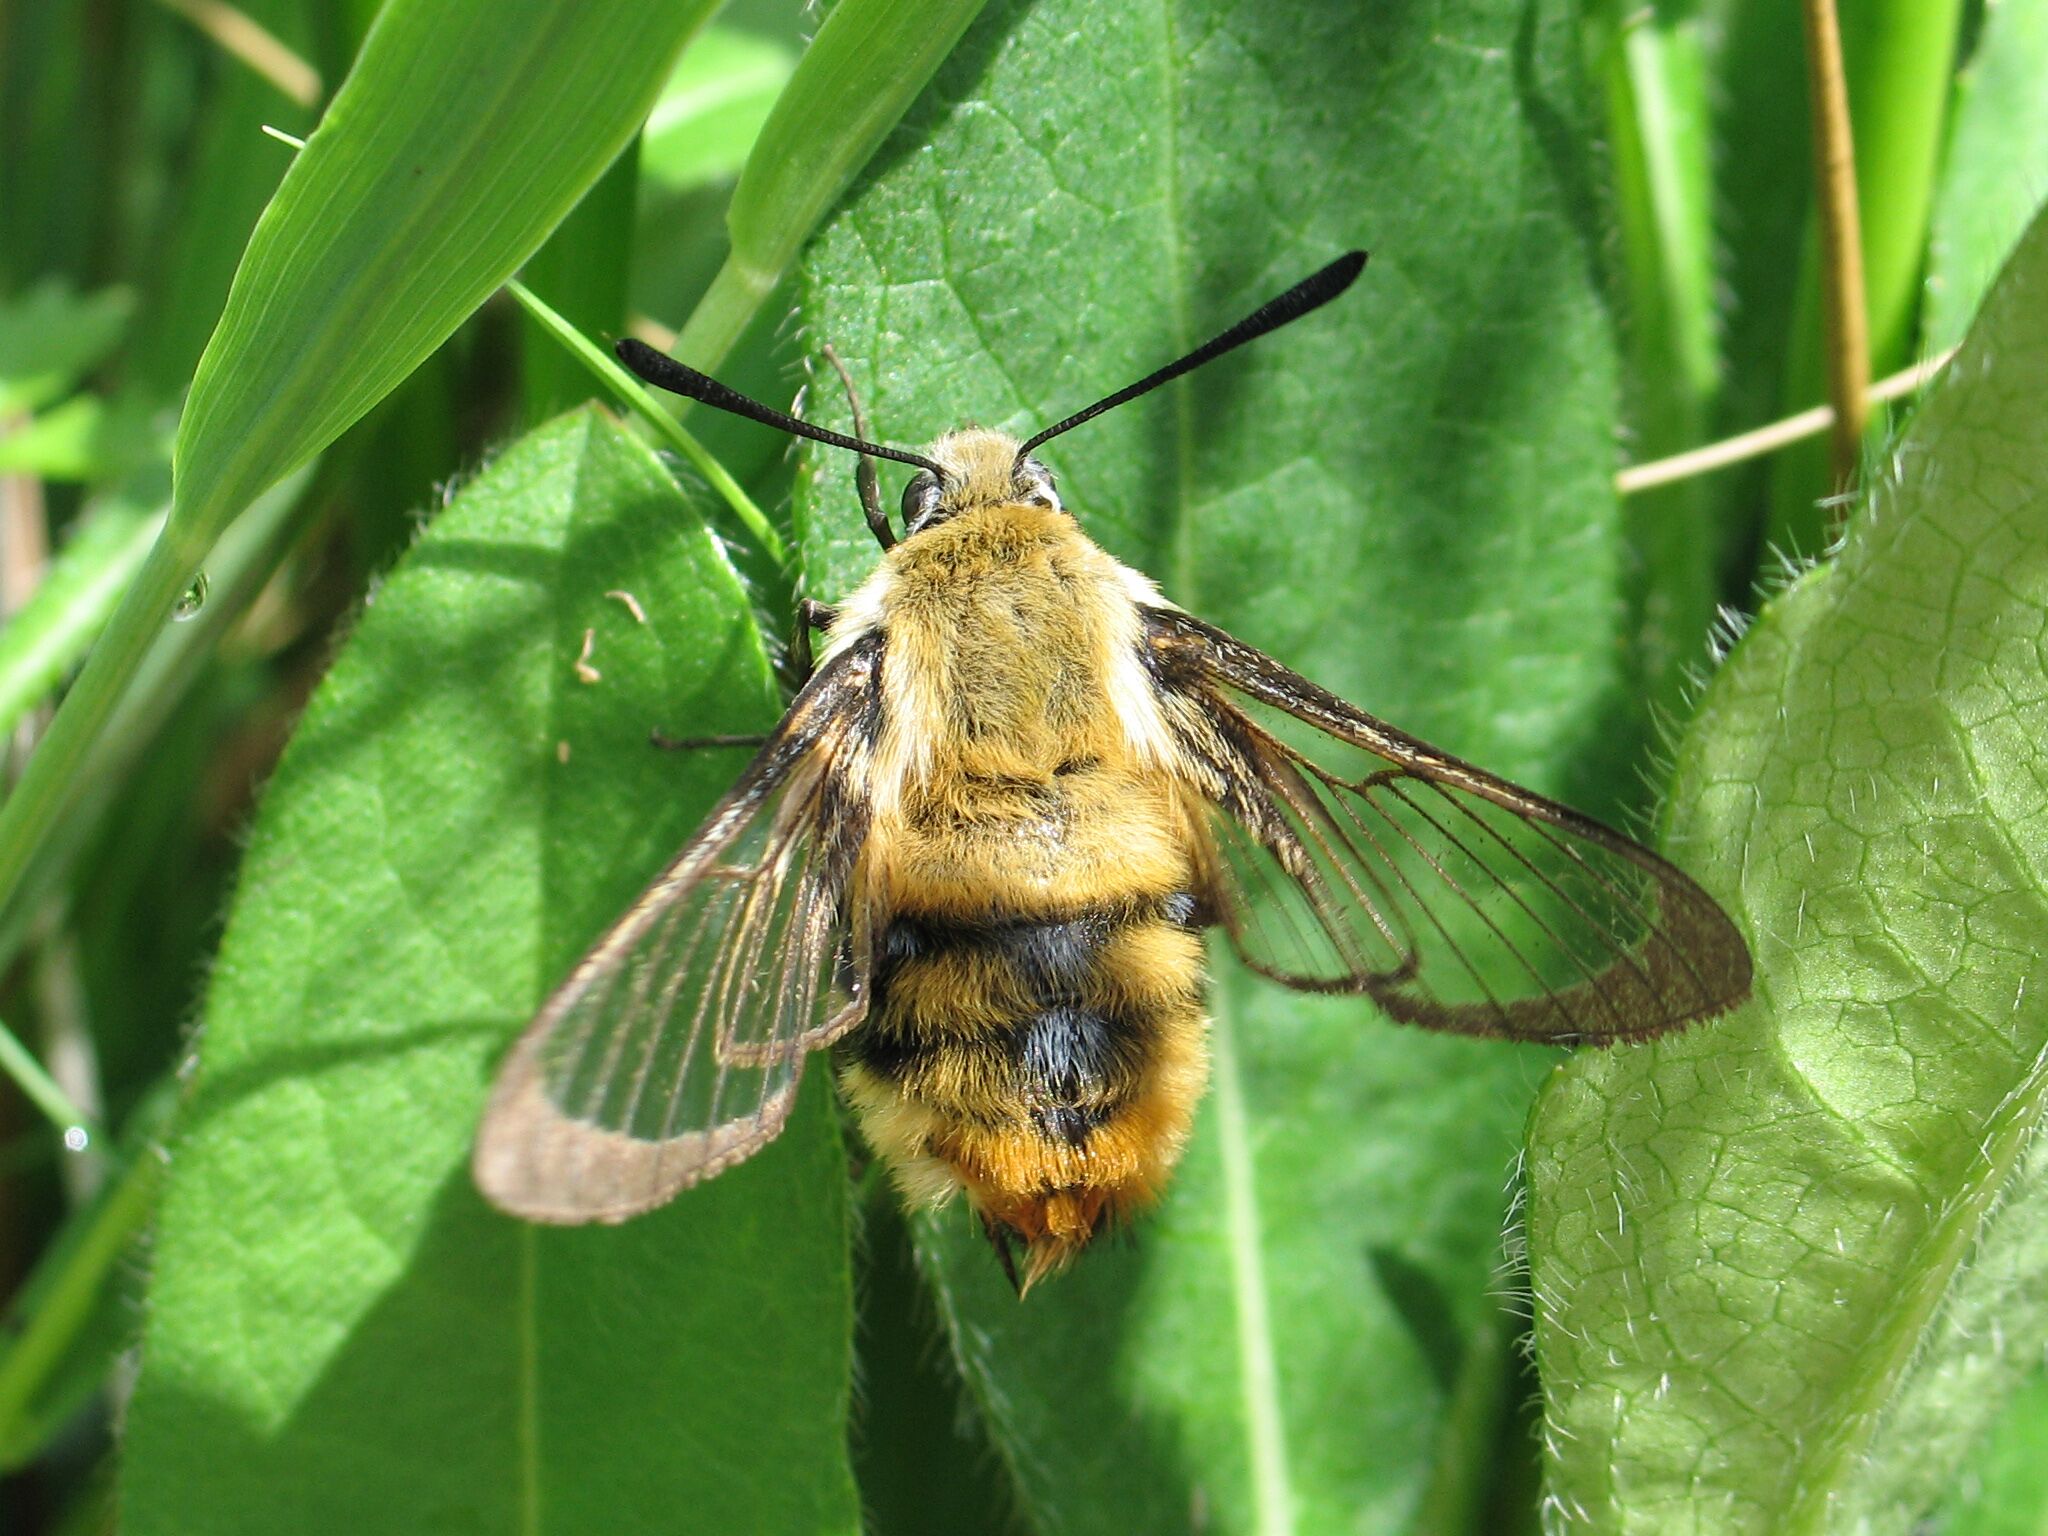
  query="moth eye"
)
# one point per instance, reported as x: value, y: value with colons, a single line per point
x: 920, y: 498
x: 1033, y: 486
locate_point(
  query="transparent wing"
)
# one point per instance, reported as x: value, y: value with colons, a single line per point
x: 1454, y: 899
x: 675, y: 1047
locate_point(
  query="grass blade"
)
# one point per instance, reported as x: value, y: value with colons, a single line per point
x: 409, y: 206
x: 852, y: 85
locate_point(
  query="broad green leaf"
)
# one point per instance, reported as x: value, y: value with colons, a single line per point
x: 1995, y: 172
x: 1406, y: 496
x: 712, y: 108
x: 456, y: 818
x: 1788, y: 1265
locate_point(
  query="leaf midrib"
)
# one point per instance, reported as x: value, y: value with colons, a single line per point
x: 1948, y: 1242
x: 529, y: 1380
x: 1257, y: 1361
x: 1258, y: 1367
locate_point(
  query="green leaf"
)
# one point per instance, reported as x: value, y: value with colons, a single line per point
x: 712, y: 108
x: 863, y: 69
x: 88, y: 437
x: 2003, y: 1489
x: 1654, y: 78
x: 51, y: 337
x: 596, y: 362
x: 45, y: 637
x: 1407, y: 497
x: 1787, y: 1266
x: 1995, y: 172
x: 1763, y: 194
x: 923, y: 1465
x: 457, y: 816
x: 81, y: 1306
x: 54, y: 176
x: 581, y: 272
x: 411, y: 203
x: 237, y: 572
x: 218, y: 186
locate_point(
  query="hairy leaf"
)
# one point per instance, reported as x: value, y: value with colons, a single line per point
x: 342, y: 1337
x: 1788, y: 1265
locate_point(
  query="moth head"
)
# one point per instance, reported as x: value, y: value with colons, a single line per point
x: 981, y: 469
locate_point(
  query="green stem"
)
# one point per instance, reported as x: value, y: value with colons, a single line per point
x: 20, y: 1063
x: 51, y: 779
x: 64, y: 1307
x: 244, y: 559
x: 724, y: 313
x: 645, y: 406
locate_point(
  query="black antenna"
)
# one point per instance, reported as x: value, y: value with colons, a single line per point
x: 1311, y: 292
x: 663, y: 371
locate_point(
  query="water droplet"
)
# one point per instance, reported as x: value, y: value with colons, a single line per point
x: 75, y: 1138
x: 192, y: 601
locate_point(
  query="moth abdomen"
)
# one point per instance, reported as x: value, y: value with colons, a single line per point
x: 1033, y: 1060
x: 1005, y: 1018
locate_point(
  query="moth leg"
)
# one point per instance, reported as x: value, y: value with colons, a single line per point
x: 810, y: 615
x: 1004, y: 1241
x: 864, y: 470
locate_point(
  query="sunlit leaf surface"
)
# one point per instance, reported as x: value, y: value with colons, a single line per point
x: 1788, y: 1266
x: 342, y: 1337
